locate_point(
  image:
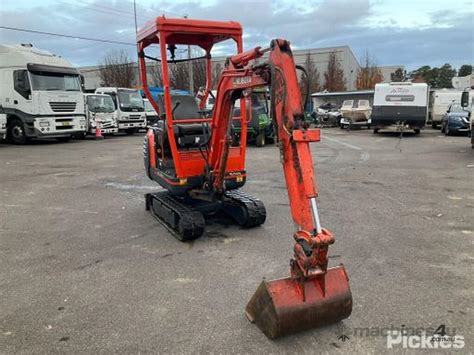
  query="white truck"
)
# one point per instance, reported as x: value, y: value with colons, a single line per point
x: 41, y: 95
x: 130, y: 111
x: 100, y: 110
x: 400, y: 104
x: 440, y: 99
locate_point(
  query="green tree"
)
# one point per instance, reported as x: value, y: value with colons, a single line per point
x: 435, y: 77
x: 445, y: 76
x: 465, y: 69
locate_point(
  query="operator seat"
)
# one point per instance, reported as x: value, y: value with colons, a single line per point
x: 187, y: 135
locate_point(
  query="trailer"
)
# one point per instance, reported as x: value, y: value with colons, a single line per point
x: 439, y: 103
x: 41, y: 95
x: 400, y: 104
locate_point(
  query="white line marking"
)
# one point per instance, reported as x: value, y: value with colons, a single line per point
x: 365, y: 156
x: 343, y: 143
x: 52, y: 208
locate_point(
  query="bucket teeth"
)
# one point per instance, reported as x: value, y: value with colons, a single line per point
x: 278, y: 309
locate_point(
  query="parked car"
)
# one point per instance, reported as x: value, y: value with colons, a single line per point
x: 327, y: 115
x: 456, y: 119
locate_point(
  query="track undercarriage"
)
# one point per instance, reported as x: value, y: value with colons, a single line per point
x: 184, y: 216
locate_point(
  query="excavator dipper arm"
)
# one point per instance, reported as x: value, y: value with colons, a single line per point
x: 313, y: 295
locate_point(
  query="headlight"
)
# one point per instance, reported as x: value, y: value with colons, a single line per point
x: 82, y: 121
x: 44, y: 123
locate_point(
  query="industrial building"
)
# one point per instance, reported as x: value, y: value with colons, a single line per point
x: 319, y: 56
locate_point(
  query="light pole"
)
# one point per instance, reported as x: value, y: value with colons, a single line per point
x: 190, y: 69
x: 136, y: 33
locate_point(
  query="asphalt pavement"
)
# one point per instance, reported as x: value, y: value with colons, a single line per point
x: 84, y: 268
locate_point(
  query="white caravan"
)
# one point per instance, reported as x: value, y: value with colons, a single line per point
x: 41, y: 95
x: 404, y: 105
x: 440, y: 100
x: 100, y: 110
x: 130, y: 109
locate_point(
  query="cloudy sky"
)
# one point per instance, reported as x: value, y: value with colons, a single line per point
x: 408, y: 32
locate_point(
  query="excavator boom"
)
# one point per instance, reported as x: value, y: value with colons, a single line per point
x: 313, y: 295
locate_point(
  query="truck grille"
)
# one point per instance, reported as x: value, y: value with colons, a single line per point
x: 63, y: 106
x: 107, y: 124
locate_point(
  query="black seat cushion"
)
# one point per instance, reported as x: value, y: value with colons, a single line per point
x: 187, y: 135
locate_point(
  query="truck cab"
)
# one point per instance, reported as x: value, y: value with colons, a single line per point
x: 100, y: 110
x: 41, y: 95
x: 130, y: 110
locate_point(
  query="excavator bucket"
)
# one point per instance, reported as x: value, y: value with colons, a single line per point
x: 279, y: 307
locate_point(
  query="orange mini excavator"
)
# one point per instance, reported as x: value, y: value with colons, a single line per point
x: 201, y: 168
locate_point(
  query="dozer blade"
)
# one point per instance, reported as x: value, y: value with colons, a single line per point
x: 278, y: 309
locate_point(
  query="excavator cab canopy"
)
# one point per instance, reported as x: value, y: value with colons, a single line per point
x: 200, y: 33
x: 168, y: 33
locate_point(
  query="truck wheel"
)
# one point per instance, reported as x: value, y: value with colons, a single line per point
x: 417, y: 131
x: 434, y: 125
x: 260, y: 140
x: 376, y: 130
x: 16, y: 132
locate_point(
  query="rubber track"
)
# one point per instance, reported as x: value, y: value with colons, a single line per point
x: 190, y: 222
x: 256, y: 212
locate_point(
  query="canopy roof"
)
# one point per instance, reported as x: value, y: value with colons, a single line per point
x: 201, y: 33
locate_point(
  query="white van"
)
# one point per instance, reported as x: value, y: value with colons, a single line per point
x: 130, y: 109
x: 440, y: 100
x: 403, y: 104
x: 41, y: 95
x: 100, y: 110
